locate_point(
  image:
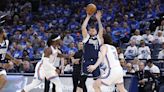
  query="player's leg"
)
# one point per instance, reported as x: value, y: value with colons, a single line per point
x: 79, y: 89
x: 96, y: 85
x: 38, y: 77
x: 54, y: 88
x: 57, y: 82
x: 33, y: 84
x: 3, y: 81
x: 119, y: 81
x: 47, y: 85
x: 97, y: 81
x: 121, y: 88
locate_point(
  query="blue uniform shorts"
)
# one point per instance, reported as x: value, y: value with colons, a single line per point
x: 95, y: 73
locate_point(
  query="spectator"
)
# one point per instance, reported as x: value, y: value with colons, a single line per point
x: 154, y: 73
x: 25, y: 55
x: 131, y: 51
x: 18, y: 52
x: 68, y: 67
x: 72, y: 48
x: 135, y: 64
x: 120, y: 53
x: 159, y: 38
x: 148, y: 38
x: 161, y: 53
x: 27, y: 67
x: 130, y: 69
x: 152, y: 68
x: 137, y: 37
x: 125, y: 33
x: 134, y: 24
x: 68, y: 39
x: 123, y: 65
x: 160, y: 28
x: 116, y: 32
x: 141, y: 77
x: 144, y: 51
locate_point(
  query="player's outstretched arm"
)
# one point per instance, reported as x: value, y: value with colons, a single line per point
x: 102, y: 53
x: 98, y: 17
x: 84, y: 26
x: 14, y: 60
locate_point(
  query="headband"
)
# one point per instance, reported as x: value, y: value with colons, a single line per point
x: 57, y: 38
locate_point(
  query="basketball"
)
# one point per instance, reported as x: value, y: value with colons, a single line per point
x: 91, y: 9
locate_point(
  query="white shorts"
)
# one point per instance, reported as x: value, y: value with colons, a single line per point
x: 3, y: 72
x: 44, y: 71
x: 115, y: 76
x: 49, y: 70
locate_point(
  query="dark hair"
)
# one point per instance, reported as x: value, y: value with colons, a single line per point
x: 107, y: 39
x: 49, y: 41
x: 149, y: 61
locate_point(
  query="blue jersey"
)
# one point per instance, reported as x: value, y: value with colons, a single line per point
x: 91, y: 48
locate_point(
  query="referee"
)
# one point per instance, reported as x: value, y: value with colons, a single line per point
x: 78, y: 80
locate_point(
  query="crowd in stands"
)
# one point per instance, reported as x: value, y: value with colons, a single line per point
x: 127, y: 21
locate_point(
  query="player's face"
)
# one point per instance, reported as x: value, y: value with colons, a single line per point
x: 92, y: 31
x: 56, y: 43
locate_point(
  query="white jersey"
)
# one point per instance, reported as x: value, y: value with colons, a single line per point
x: 113, y: 75
x: 3, y: 49
x: 53, y: 56
x: 112, y: 57
x: 48, y: 66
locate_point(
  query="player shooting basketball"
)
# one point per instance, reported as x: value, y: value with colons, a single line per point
x: 92, y: 40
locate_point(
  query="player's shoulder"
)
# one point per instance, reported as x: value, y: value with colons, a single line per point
x: 47, y: 51
x: 110, y: 46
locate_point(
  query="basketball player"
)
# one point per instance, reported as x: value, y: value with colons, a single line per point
x: 92, y: 42
x: 59, y: 64
x: 4, y: 43
x: 45, y: 68
x: 113, y: 73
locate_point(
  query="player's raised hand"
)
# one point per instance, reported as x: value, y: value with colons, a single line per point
x: 98, y: 15
x: 91, y: 68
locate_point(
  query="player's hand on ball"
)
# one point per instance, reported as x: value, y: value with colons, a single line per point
x: 98, y: 15
x: 91, y: 68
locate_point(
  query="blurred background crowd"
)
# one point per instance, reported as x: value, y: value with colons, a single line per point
x: 136, y: 27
